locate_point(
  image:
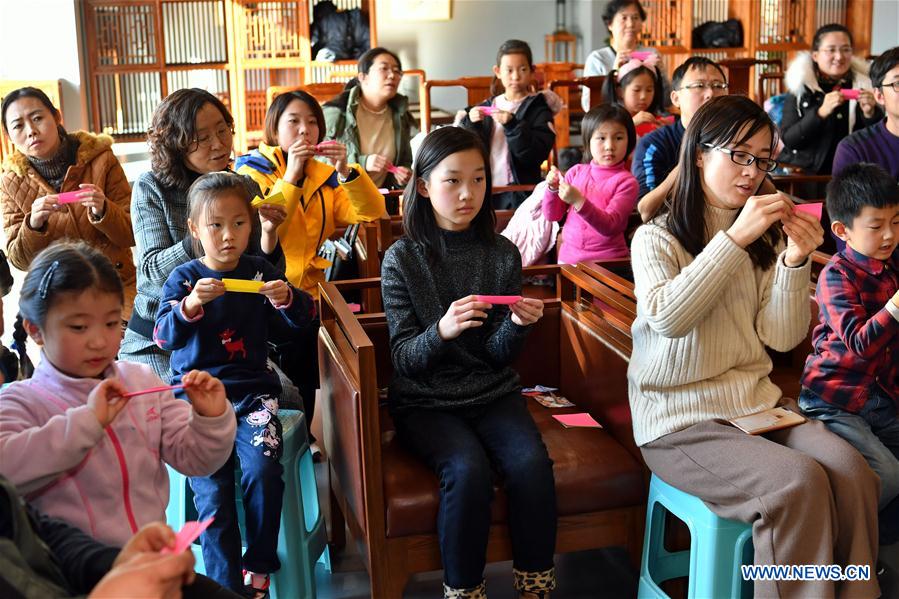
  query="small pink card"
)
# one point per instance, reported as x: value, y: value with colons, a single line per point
x: 325, y: 144
x: 577, y: 420
x: 161, y: 389
x: 187, y: 535
x: 641, y: 55
x: 850, y: 94
x: 488, y: 110
x: 392, y: 169
x: 69, y: 197
x: 499, y: 299
x: 813, y: 208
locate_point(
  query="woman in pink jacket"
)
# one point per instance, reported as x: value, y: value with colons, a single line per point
x: 600, y: 194
x: 70, y: 440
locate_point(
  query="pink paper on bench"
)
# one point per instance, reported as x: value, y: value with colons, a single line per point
x: 154, y: 390
x: 187, y: 535
x: 813, y: 208
x: 850, y: 94
x: 69, y: 197
x: 577, y: 420
x: 499, y: 299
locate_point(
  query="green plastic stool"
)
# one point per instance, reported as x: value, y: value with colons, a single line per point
x: 302, y: 540
x: 718, y: 547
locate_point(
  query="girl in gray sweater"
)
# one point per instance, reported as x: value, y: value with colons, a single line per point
x: 455, y: 398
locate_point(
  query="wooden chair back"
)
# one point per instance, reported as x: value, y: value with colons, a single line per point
x: 476, y: 88
x: 570, y: 92
x: 769, y: 84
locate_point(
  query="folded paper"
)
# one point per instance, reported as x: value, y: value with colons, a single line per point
x: 160, y: 389
x: 243, y: 285
x: 850, y: 94
x: 69, y: 197
x: 189, y: 533
x: 577, y: 420
x: 276, y: 199
x: 813, y: 208
x: 499, y: 299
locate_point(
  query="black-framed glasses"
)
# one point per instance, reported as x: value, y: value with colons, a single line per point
x: 745, y: 158
x: 703, y: 85
x: 894, y: 85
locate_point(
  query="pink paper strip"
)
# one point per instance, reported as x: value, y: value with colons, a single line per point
x: 499, y: 299
x: 488, y: 110
x: 641, y: 55
x: 69, y: 197
x: 187, y: 535
x: 583, y: 419
x: 393, y: 169
x: 154, y: 390
x: 813, y: 208
x: 850, y: 94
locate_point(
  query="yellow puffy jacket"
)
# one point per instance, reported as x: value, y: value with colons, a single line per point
x: 314, y: 210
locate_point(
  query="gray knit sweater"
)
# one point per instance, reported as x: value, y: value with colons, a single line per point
x: 475, y: 367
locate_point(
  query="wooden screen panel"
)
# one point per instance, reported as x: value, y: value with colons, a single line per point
x: 663, y: 26
x: 273, y: 29
x: 194, y: 32
x: 125, y: 102
x: 125, y: 34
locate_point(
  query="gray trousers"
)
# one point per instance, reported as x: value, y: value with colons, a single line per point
x: 810, y: 496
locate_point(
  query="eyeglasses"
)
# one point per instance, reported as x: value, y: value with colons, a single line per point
x: 702, y: 86
x: 385, y: 70
x: 835, y: 50
x: 745, y: 158
x: 223, y: 133
x: 894, y: 85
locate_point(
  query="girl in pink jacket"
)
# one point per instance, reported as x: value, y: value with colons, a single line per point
x: 600, y: 194
x: 69, y: 439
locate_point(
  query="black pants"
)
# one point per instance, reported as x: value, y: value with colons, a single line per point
x: 463, y: 446
x: 295, y: 351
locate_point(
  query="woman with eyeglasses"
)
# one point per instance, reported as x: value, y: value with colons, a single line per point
x: 820, y: 110
x: 59, y: 185
x: 190, y: 134
x: 373, y: 121
x: 720, y: 274
x: 624, y: 20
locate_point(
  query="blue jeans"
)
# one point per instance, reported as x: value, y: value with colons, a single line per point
x: 461, y: 446
x: 258, y: 447
x: 874, y: 432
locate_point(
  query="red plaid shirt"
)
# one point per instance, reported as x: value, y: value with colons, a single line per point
x: 853, y: 346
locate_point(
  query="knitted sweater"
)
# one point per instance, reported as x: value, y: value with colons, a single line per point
x: 596, y: 230
x: 473, y: 368
x: 702, y: 326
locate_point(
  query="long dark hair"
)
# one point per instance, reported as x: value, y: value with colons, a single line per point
x: 280, y: 104
x: 173, y: 131
x: 719, y: 122
x: 65, y: 267
x: 418, y: 214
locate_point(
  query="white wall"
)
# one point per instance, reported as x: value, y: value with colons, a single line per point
x: 467, y: 43
x: 38, y: 40
x: 885, y: 30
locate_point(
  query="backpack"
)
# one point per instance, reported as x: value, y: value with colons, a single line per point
x: 774, y: 106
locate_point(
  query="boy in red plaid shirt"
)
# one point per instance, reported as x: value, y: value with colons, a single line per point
x: 851, y: 378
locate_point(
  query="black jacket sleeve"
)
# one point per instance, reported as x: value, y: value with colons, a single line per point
x: 530, y: 137
x: 800, y: 131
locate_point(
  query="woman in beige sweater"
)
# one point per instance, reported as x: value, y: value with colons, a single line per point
x: 716, y: 282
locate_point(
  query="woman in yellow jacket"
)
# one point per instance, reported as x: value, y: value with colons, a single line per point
x: 319, y: 197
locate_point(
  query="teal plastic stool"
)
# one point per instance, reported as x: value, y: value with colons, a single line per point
x: 302, y: 541
x: 718, y: 547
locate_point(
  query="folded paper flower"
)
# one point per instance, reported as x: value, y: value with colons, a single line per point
x: 243, y: 285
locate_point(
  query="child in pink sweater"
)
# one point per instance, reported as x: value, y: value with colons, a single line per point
x: 72, y: 444
x: 600, y: 194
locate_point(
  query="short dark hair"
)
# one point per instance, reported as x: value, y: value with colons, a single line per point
x: 204, y: 191
x: 173, y: 131
x: 280, y: 104
x: 569, y: 156
x: 829, y: 28
x: 418, y: 214
x: 612, y: 8
x: 28, y: 92
x: 65, y: 267
x: 368, y: 59
x: 882, y: 65
x: 700, y: 63
x: 857, y: 186
x: 599, y: 115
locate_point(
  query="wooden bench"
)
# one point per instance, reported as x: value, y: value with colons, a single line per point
x: 389, y: 498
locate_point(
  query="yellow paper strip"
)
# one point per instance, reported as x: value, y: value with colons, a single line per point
x: 276, y: 199
x: 243, y: 285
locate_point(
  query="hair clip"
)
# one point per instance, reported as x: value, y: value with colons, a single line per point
x: 46, y: 280
x: 651, y: 62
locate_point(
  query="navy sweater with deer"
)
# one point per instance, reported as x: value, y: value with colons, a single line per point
x: 228, y: 336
